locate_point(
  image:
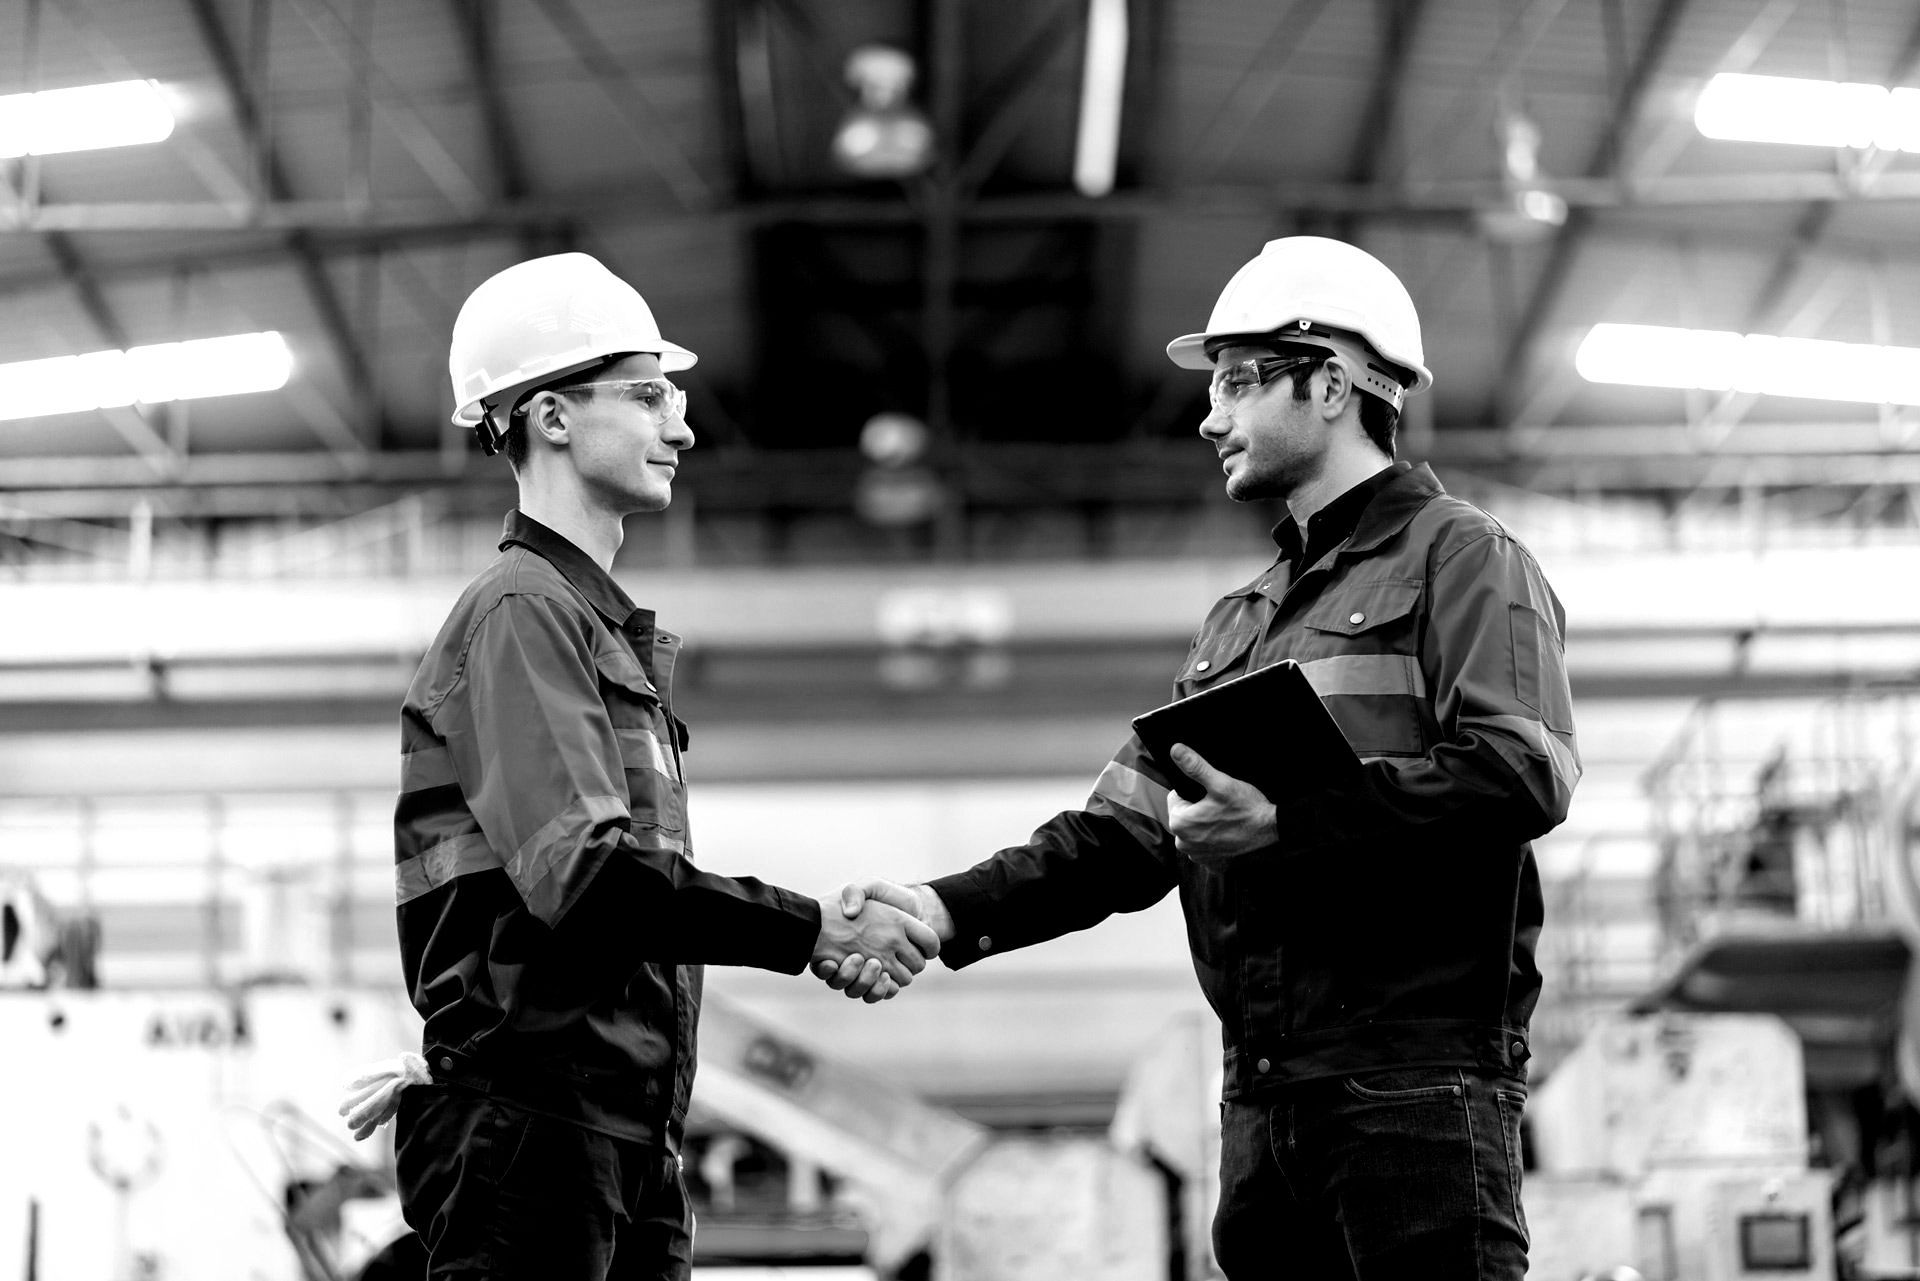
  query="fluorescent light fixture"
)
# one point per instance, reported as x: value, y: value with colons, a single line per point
x: 1720, y: 360
x: 1103, y: 85
x: 123, y: 114
x: 145, y: 375
x: 1809, y: 113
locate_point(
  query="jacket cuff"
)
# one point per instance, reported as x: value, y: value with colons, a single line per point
x: 794, y: 933
x: 972, y: 913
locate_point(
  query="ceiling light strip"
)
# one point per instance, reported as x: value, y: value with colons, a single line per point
x: 148, y: 375
x: 1763, y: 364
x: 84, y: 118
x: 1809, y: 113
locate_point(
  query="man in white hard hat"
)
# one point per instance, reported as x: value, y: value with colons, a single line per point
x: 1370, y: 951
x: 552, y: 921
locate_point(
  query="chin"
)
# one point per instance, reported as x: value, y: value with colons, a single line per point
x: 1242, y: 488
x: 652, y: 500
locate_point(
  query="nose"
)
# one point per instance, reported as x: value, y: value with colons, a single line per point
x: 678, y: 433
x: 1216, y: 424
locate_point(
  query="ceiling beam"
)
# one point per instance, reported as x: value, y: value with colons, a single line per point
x: 1573, y: 458
x: 478, y: 22
x: 1261, y: 79
x: 1015, y: 92
x: 308, y: 263
x: 1817, y: 219
x: 1449, y: 203
x: 724, y: 53
x: 622, y: 88
x: 1604, y: 163
x: 550, y: 218
x: 1374, y: 137
x: 156, y: 455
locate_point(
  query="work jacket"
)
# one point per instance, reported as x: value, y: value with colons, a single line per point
x: 1391, y: 923
x: 550, y: 913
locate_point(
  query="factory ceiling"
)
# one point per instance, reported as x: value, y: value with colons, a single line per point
x: 343, y: 172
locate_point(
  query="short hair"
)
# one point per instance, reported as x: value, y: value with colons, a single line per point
x: 514, y: 442
x: 1379, y: 419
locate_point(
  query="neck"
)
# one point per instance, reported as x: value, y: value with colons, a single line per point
x: 1348, y: 462
x: 561, y: 507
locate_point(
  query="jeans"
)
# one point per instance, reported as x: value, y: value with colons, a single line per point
x: 1407, y: 1173
x: 495, y: 1191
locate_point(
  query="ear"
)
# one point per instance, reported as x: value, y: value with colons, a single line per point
x: 547, y: 418
x: 1339, y: 389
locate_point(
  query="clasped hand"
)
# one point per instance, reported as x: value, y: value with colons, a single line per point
x: 872, y: 941
x: 1232, y: 819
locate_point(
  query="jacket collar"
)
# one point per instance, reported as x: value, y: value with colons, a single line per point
x: 1337, y: 520
x: 574, y: 565
x: 1393, y: 507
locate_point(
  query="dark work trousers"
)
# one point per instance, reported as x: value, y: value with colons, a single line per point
x: 1411, y: 1174
x: 498, y: 1192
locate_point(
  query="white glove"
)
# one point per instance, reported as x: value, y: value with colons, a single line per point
x: 374, y: 1096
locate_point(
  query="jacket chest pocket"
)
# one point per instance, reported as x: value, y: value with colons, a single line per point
x: 1359, y: 647
x: 1215, y: 658
x: 648, y: 739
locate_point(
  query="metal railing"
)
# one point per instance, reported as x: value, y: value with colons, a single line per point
x: 1789, y: 832
x: 218, y: 889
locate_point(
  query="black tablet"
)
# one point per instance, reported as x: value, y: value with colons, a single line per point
x: 1267, y: 728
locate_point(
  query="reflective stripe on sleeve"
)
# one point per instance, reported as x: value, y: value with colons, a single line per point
x: 457, y: 856
x: 652, y: 838
x: 561, y: 838
x: 1130, y: 789
x: 1558, y: 755
x: 428, y: 767
x: 1366, y: 674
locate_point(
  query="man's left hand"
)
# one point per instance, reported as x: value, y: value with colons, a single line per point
x: 1232, y: 819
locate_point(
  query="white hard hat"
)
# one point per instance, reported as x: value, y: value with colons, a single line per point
x: 1305, y: 286
x: 540, y: 320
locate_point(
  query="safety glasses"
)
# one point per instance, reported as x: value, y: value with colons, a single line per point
x: 1232, y: 383
x: 657, y: 398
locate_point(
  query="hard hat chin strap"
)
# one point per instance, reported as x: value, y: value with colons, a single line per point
x: 488, y: 433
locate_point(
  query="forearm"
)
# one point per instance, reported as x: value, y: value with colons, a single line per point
x: 1456, y: 782
x: 1078, y: 869
x: 653, y: 906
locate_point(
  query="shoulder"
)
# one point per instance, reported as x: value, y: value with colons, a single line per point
x: 1448, y: 526
x: 520, y: 579
x: 519, y: 590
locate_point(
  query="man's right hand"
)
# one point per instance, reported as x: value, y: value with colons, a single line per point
x: 857, y: 975
x: 852, y: 942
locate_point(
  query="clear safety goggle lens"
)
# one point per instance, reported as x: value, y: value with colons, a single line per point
x: 1232, y: 382
x: 657, y: 398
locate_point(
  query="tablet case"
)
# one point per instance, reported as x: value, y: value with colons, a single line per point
x: 1267, y: 728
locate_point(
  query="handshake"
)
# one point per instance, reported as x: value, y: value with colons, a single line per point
x: 876, y: 935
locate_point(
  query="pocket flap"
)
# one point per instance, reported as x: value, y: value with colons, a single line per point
x: 1365, y: 606
x: 625, y: 671
x: 1218, y: 653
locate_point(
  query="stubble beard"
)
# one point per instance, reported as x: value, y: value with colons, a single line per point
x: 1249, y: 484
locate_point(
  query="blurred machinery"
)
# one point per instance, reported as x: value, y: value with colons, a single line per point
x: 40, y: 946
x: 1787, y: 888
x: 1677, y: 1144
x: 192, y: 1136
